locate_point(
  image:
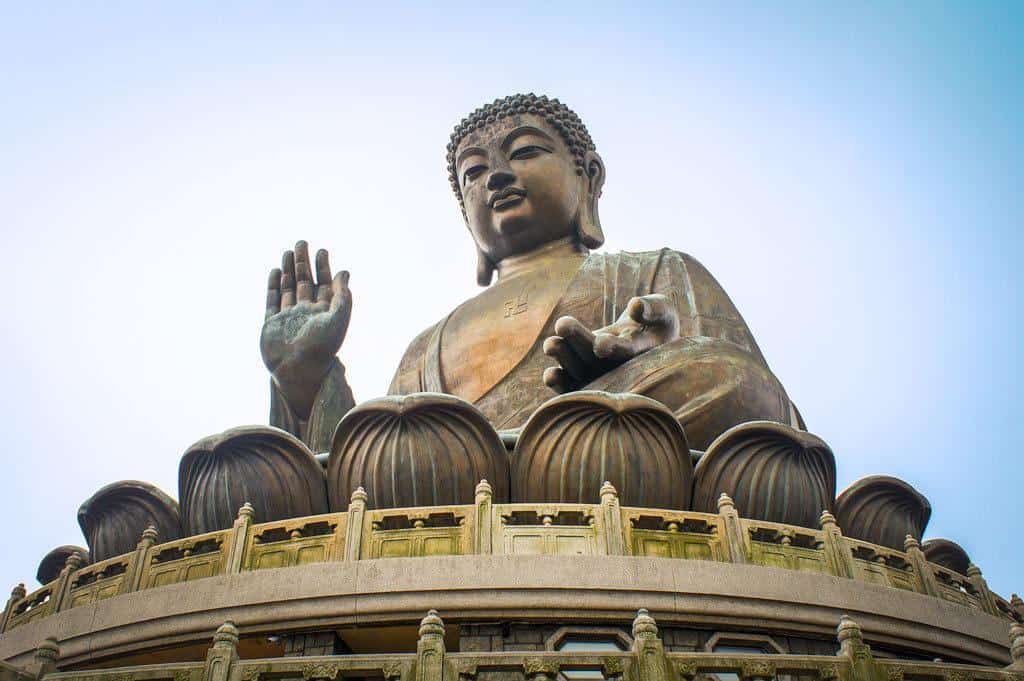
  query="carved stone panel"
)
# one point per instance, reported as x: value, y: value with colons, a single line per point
x: 114, y: 518
x: 266, y: 467
x: 575, y: 442
x: 423, y: 449
x: 771, y: 471
x: 882, y: 510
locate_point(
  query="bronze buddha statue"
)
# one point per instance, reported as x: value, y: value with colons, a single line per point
x: 558, y: 318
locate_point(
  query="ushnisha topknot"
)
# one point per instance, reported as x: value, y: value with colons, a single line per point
x: 563, y: 119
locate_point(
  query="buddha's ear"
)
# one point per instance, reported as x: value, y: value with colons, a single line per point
x: 484, y: 268
x: 590, y: 231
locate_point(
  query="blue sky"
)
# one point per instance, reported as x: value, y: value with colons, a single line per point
x: 851, y: 175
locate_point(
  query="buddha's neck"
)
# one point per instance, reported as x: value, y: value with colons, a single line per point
x: 540, y: 257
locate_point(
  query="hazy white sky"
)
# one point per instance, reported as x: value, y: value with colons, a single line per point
x: 851, y: 177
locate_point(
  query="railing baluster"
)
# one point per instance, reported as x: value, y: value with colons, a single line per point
x: 238, y: 540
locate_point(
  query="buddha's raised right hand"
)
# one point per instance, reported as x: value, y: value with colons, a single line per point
x: 305, y: 325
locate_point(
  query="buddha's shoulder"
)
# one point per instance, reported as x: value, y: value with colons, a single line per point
x: 661, y: 257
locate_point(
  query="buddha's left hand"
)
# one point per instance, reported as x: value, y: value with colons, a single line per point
x: 584, y: 355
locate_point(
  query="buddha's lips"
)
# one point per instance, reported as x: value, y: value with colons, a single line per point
x: 504, y: 194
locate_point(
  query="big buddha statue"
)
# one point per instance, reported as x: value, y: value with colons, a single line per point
x: 553, y: 317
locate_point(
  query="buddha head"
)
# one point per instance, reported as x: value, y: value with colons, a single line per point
x: 525, y: 172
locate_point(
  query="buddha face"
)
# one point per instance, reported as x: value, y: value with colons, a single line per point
x: 519, y: 186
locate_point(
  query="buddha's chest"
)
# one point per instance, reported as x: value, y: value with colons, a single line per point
x: 487, y: 337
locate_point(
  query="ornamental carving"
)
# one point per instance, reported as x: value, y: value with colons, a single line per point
x: 423, y: 449
x: 882, y: 510
x: 771, y: 471
x: 576, y: 442
x: 114, y: 518
x: 266, y: 467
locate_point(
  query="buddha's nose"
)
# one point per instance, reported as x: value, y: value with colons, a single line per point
x: 501, y: 176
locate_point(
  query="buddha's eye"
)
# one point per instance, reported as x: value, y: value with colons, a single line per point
x: 472, y: 173
x: 528, y: 151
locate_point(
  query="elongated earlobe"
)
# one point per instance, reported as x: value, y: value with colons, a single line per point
x: 590, y: 233
x: 484, y: 268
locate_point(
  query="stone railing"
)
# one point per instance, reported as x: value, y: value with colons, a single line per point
x: 484, y: 527
x: 646, y: 660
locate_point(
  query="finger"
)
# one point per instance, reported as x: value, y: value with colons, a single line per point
x: 303, y: 273
x: 559, y: 349
x: 652, y: 309
x: 556, y: 379
x: 287, y: 280
x: 323, y: 277
x: 579, y: 338
x: 341, y: 304
x: 615, y: 348
x: 274, y: 292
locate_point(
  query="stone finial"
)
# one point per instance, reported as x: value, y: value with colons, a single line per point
x: 246, y: 511
x: 484, y: 489
x: 973, y: 570
x: 360, y: 495
x: 608, y: 491
x: 644, y: 625
x: 826, y: 519
x: 432, y: 625
x: 48, y: 652
x: 18, y: 592
x: 1016, y: 601
x: 909, y: 542
x: 150, y: 534
x: 725, y: 501
x: 226, y: 636
x: 1017, y: 646
x: 848, y: 631
x: 73, y: 562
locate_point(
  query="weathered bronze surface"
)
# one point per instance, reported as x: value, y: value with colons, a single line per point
x: 772, y: 472
x: 948, y: 554
x: 558, y: 318
x: 575, y: 442
x: 883, y: 510
x: 266, y: 467
x: 114, y: 518
x: 416, y: 450
x: 53, y: 562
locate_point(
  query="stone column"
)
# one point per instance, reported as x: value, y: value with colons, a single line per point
x: 652, y: 664
x: 735, y: 536
x: 483, y: 540
x: 988, y: 602
x: 611, y: 515
x: 65, y: 582
x: 922, y: 567
x: 45, y: 660
x: 837, y: 551
x: 1017, y: 647
x: 430, y: 649
x: 853, y: 647
x: 133, y: 580
x: 223, y: 654
x: 17, y: 594
x: 238, y: 538
x: 354, y: 535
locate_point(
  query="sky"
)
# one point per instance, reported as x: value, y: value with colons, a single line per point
x: 851, y: 174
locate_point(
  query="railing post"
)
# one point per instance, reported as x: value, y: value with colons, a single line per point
x: 837, y: 551
x: 239, y: 539
x: 611, y: 514
x: 430, y: 649
x: 988, y: 602
x: 483, y: 541
x: 223, y: 654
x: 65, y: 580
x: 1016, y: 647
x: 735, y: 536
x: 853, y: 647
x: 1017, y: 605
x: 921, y: 565
x: 45, y: 660
x: 354, y: 535
x: 652, y: 664
x: 17, y: 594
x: 133, y: 581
